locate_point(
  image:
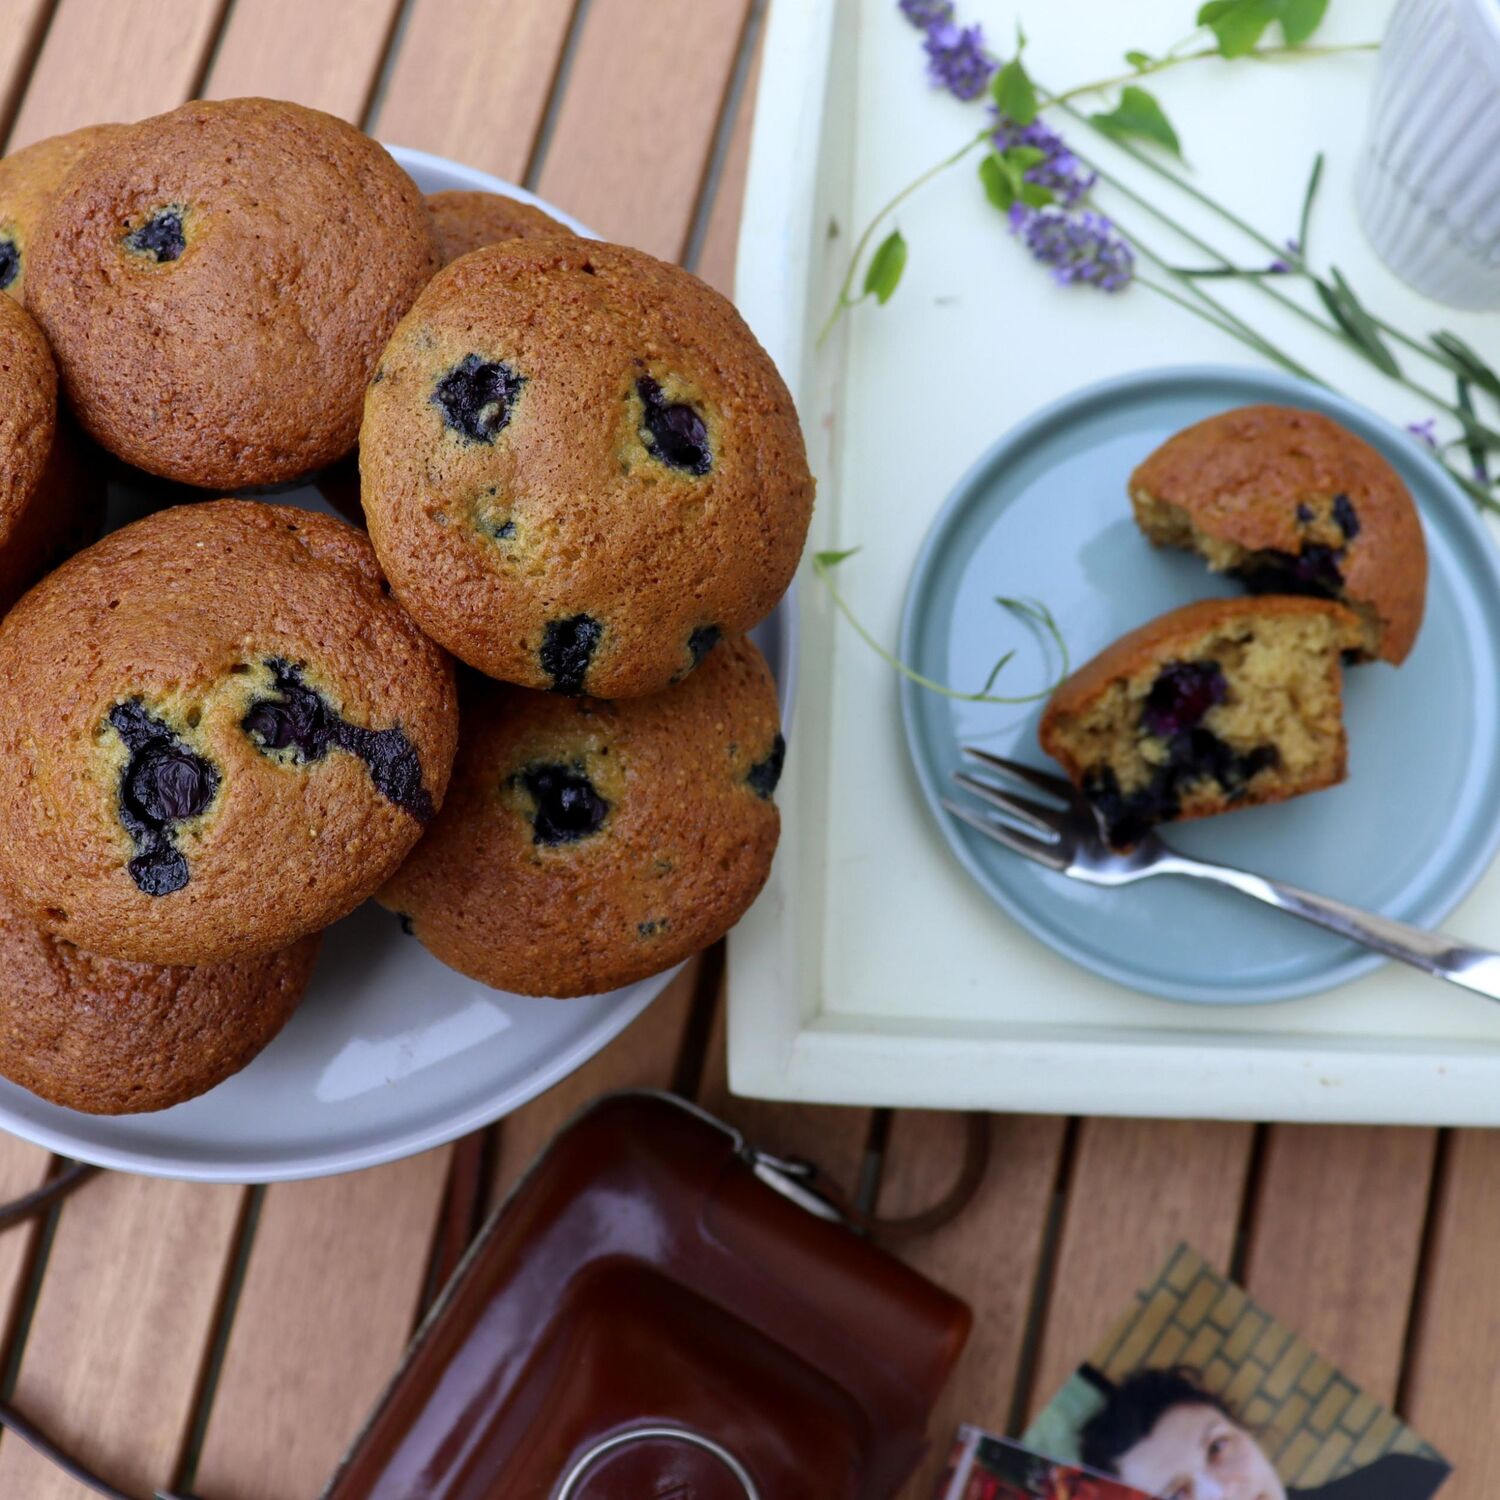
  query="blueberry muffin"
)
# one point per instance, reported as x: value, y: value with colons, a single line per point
x: 51, y: 495
x: 587, y: 844
x: 579, y: 468
x: 29, y: 179
x: 112, y: 1038
x: 1289, y: 502
x: 217, y: 284
x: 469, y: 221
x: 1221, y: 704
x: 217, y: 733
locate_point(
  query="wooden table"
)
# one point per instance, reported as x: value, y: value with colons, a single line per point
x: 230, y: 1339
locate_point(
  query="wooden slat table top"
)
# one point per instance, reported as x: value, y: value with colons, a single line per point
x: 228, y: 1340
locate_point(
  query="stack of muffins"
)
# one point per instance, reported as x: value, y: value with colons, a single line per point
x: 224, y: 726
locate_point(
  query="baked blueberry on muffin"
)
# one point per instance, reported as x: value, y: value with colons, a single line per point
x: 1221, y: 704
x: 1290, y: 502
x: 113, y: 1038
x: 51, y: 497
x: 217, y: 284
x: 217, y: 733
x: 579, y: 468
x: 468, y: 221
x: 587, y: 844
x: 29, y: 179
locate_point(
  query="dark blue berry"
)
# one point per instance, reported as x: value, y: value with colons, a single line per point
x: 163, y: 784
x: 160, y: 236
x: 1346, y: 516
x: 764, y: 774
x: 301, y: 720
x: 568, y: 808
x: 1314, y: 571
x: 1181, y: 695
x: 1304, y: 512
x: 10, y: 262
x: 651, y: 928
x: 568, y: 647
x: 476, y: 397
x: 674, y: 431
x: 1193, y: 756
x: 702, y: 641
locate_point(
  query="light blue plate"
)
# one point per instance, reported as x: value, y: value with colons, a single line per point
x: 1045, y: 513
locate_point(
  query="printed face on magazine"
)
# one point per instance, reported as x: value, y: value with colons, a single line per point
x: 1197, y: 1453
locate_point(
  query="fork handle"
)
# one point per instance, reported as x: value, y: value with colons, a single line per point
x: 1435, y: 953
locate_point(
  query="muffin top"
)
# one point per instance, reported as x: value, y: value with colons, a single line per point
x: 467, y: 221
x: 28, y: 416
x: 107, y: 1037
x: 579, y: 468
x: 218, y: 282
x: 51, y: 492
x: 28, y: 181
x: 1324, y: 513
x: 586, y: 844
x: 217, y: 733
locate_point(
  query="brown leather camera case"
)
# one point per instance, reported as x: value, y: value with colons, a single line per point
x: 648, y: 1318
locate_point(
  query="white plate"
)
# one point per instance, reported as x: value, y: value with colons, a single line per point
x: 390, y: 1052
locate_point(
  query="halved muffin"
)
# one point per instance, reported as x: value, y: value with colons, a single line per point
x: 1290, y: 502
x: 1220, y: 704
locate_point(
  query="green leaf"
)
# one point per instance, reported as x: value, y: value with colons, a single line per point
x: 1238, y: 25
x: 1139, y: 114
x: 1474, y: 443
x: 1463, y: 360
x: 1314, y: 178
x: 1023, y: 158
x: 1034, y: 195
x: 1139, y: 60
x: 1338, y: 297
x: 824, y: 560
x: 886, y: 266
x: 998, y: 187
x: 1300, y: 18
x: 1013, y: 91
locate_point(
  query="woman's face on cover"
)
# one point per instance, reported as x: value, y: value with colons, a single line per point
x: 1197, y: 1453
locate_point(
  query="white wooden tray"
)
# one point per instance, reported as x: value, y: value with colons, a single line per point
x: 872, y: 971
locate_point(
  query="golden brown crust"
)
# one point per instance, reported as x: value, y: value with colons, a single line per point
x: 112, y: 1038
x: 185, y: 611
x: 1241, y: 475
x: 1157, y: 640
x: 684, y: 848
x: 470, y: 221
x: 51, y: 496
x: 243, y: 360
x: 29, y: 179
x: 564, y: 511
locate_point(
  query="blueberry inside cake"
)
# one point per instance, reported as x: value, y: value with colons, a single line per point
x: 1289, y: 502
x: 1221, y: 704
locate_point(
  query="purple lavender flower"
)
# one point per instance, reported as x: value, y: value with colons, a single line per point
x: 927, y: 13
x: 956, y: 59
x: 1424, y: 431
x: 1059, y: 171
x: 1280, y: 266
x: 1082, y: 248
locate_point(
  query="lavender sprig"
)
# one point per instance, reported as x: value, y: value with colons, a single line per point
x: 1082, y: 248
x: 957, y: 61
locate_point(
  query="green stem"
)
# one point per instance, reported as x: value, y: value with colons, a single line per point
x: 844, y: 299
x: 1289, y: 303
x: 1294, y: 258
x: 1161, y: 64
x: 825, y: 577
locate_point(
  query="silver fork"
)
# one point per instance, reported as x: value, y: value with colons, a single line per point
x: 1068, y: 838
